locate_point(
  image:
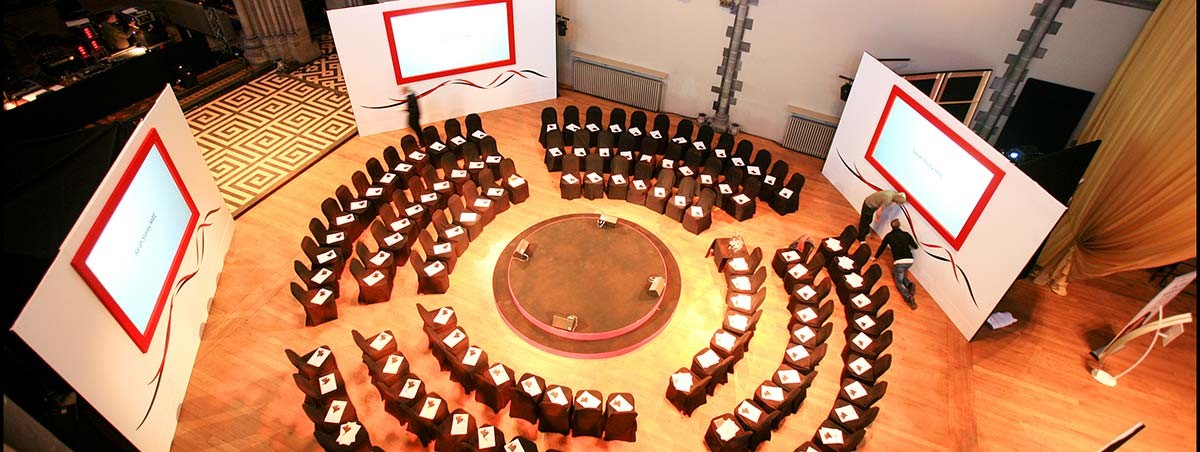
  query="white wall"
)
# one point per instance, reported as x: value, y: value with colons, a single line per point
x: 66, y: 324
x: 363, y: 51
x: 1009, y: 229
x: 798, y: 48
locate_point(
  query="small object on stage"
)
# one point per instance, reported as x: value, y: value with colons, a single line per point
x: 606, y: 219
x: 565, y: 322
x: 736, y: 243
x: 657, y: 284
x: 522, y: 251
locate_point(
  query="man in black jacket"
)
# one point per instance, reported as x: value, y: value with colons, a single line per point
x: 414, y: 113
x: 902, y: 245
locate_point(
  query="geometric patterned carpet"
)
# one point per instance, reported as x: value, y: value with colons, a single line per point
x: 260, y: 135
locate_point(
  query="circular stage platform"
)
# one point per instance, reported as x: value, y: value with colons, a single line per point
x: 598, y: 275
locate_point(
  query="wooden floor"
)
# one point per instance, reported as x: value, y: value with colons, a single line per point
x: 1022, y: 388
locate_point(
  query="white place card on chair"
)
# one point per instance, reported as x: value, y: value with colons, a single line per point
x: 334, y: 238
x: 668, y: 163
x: 737, y: 161
x: 318, y: 357
x: 336, y: 408
x: 381, y: 340
x: 646, y: 158
x: 393, y: 239
x: 570, y: 179
x: 617, y: 179
x: 846, y: 413
x: 741, y: 301
x: 437, y: 146
x: 434, y: 268
x: 479, y: 134
x: 471, y: 357
x: 380, y: 258
x: 321, y: 275
x: 685, y: 171
x: 430, y: 408
x: 443, y: 315
x: 728, y: 429
x: 741, y: 283
x: 428, y: 198
x: 806, y: 292
x: 604, y: 152
x: 499, y: 376
x: 860, y: 365
x: 864, y: 321
x: 741, y: 198
x: 550, y: 127
x: 724, y: 340
x: 769, y: 179
x: 321, y: 296
x: 414, y: 210
x: 348, y: 433
x: 854, y: 280
x: 614, y: 128
x: 738, y: 322
x: 495, y: 192
x: 402, y: 168
x: 555, y: 152
x: 387, y: 178
x: 476, y: 165
x: 357, y: 205
x: 469, y: 217
x: 699, y: 145
x: 327, y: 384
x: 797, y: 352
x: 861, y: 300
x: 493, y: 159
x: 572, y: 127
x: 618, y: 403
x: 531, y: 387
x: 753, y: 170
x: 327, y: 257
x: 442, y: 249
x: 410, y: 388
x: 679, y: 140
x: 789, y: 376
x: 556, y: 396
x: 804, y: 334
x: 655, y: 135
x: 660, y: 192
x: 454, y: 338
x: 790, y: 256
x: 739, y: 264
x: 749, y: 411
x: 708, y: 359
x: 720, y: 153
x: 833, y: 244
x: 514, y: 445
x: 862, y: 340
x: 855, y: 390
x: 639, y: 184
x: 592, y: 128
x: 807, y: 314
x: 706, y: 179
x: 586, y: 400
x: 393, y: 364
x: 628, y: 155
x: 442, y: 186
x: 373, y: 278
x: 682, y: 381
x: 459, y: 425
x: 459, y: 141
x: 347, y: 218
x: 679, y: 201
x: 416, y: 156
x: 697, y: 212
x: 635, y: 131
x: 516, y: 181
x: 798, y: 271
x: 374, y: 191
x: 595, y: 178
x: 830, y: 435
x: 487, y: 437
x: 454, y: 232
x: 725, y: 189
x: 845, y: 263
x: 772, y: 393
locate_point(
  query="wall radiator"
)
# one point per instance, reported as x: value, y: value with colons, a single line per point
x: 808, y: 135
x: 623, y: 85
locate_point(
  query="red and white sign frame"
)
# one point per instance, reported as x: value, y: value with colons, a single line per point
x: 401, y: 79
x: 79, y: 261
x: 955, y: 240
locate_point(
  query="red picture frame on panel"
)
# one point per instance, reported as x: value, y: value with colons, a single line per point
x: 142, y: 339
x: 955, y: 240
x: 401, y: 79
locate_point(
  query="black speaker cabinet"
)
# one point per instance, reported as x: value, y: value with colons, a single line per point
x: 1043, y: 117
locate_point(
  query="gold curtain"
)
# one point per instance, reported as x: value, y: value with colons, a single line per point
x: 1136, y: 205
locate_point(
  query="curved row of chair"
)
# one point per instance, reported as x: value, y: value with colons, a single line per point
x: 689, y: 388
x: 867, y: 337
x: 551, y: 407
x: 326, y: 403
x: 754, y: 419
x: 622, y: 163
x: 397, y: 204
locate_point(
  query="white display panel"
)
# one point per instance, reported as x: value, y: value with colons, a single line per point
x: 376, y: 58
x: 138, y: 388
x: 966, y: 269
x: 436, y: 41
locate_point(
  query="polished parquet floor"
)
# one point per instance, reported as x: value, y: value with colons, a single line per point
x: 1021, y: 388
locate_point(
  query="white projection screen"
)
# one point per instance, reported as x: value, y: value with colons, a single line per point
x: 120, y: 310
x: 978, y: 219
x: 452, y: 38
x: 460, y: 57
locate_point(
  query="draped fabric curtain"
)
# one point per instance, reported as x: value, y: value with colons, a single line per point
x: 1136, y: 205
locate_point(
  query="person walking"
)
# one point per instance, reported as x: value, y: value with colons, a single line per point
x: 414, y: 113
x: 902, y: 244
x: 872, y: 204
